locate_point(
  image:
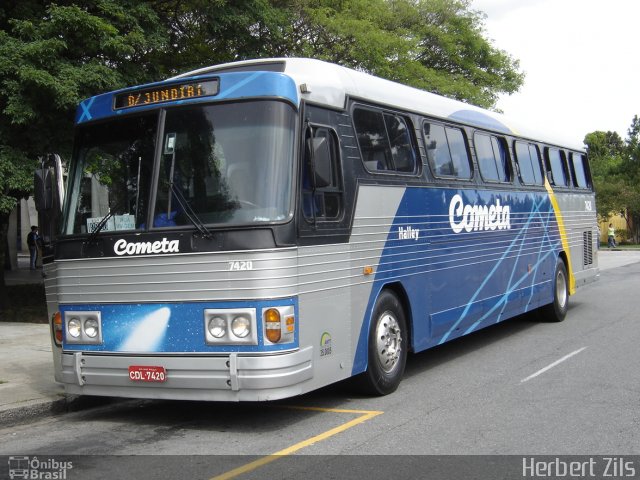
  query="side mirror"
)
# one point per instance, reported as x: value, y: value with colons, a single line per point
x: 321, y: 159
x: 43, y: 189
x: 48, y: 186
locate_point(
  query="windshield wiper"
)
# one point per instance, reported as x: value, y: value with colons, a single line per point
x: 188, y: 211
x: 101, y: 224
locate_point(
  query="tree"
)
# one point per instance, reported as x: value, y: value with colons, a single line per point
x: 615, y: 168
x: 52, y: 55
x: 437, y: 45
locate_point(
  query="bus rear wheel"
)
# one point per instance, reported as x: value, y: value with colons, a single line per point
x: 387, y: 346
x: 557, y: 310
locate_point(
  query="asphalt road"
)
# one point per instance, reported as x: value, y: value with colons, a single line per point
x: 520, y: 388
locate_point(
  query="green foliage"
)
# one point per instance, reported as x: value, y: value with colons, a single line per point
x: 615, y: 168
x: 52, y: 55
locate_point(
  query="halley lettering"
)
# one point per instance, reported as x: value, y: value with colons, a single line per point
x: 122, y: 247
x: 478, y: 217
x: 408, y: 233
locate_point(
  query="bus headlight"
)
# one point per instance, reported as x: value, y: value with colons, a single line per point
x: 230, y: 326
x: 241, y: 326
x: 74, y: 327
x: 83, y: 328
x: 91, y: 327
x: 217, y: 327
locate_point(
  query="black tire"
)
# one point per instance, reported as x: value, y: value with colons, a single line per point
x: 557, y: 310
x: 387, y: 347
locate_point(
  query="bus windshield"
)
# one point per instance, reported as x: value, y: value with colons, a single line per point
x: 226, y: 164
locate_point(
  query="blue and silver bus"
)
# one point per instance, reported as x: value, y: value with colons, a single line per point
x: 259, y: 229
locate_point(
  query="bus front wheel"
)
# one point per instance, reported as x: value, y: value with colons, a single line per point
x: 557, y: 310
x: 387, y: 346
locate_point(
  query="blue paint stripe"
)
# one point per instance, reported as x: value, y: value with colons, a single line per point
x: 232, y: 85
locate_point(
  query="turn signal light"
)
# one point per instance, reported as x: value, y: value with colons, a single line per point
x: 290, y: 323
x: 273, y: 329
x: 56, y: 323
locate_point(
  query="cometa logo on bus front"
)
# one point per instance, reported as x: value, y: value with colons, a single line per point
x: 122, y: 247
x: 478, y: 217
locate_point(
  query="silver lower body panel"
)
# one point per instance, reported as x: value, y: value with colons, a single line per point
x: 232, y: 377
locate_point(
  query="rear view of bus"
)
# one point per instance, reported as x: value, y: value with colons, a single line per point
x: 257, y: 230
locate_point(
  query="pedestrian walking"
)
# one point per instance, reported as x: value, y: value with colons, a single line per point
x: 611, y: 236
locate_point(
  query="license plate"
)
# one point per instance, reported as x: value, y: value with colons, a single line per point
x: 144, y: 373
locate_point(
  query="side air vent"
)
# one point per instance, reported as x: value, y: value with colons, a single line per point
x: 587, y: 248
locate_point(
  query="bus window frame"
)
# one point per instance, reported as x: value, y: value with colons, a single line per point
x: 417, y: 170
x: 563, y: 164
x: 502, y: 141
x: 528, y: 145
x: 585, y: 170
x: 465, y: 139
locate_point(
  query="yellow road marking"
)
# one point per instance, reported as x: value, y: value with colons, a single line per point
x: 364, y: 416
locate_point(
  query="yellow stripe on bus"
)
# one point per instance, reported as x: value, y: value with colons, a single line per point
x: 563, y: 235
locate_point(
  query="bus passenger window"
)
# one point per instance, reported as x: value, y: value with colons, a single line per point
x: 579, y: 170
x: 492, y: 157
x: 528, y: 160
x: 446, y: 151
x: 557, y: 164
x: 404, y: 158
x: 385, y: 141
x: 372, y: 138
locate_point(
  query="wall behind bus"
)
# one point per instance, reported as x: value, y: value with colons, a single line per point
x: 619, y: 223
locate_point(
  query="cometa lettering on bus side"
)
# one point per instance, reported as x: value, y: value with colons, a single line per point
x: 478, y: 217
x: 122, y: 247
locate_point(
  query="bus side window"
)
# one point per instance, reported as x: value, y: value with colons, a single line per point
x: 404, y: 158
x: 493, y: 158
x: 372, y: 138
x: 556, y: 162
x: 579, y: 171
x: 446, y: 151
x: 385, y: 141
x: 528, y: 160
x: 326, y: 202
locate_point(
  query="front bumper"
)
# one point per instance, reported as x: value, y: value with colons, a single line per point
x: 233, y: 377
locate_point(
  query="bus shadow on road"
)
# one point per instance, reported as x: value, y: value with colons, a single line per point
x: 455, y: 349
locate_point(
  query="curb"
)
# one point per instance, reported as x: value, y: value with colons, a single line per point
x: 39, y: 410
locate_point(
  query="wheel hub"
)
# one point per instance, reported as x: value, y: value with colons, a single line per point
x: 388, y: 342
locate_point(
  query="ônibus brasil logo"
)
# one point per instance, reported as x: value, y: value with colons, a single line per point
x: 37, y: 468
x: 478, y: 217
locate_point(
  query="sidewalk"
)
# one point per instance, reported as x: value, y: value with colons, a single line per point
x: 27, y: 386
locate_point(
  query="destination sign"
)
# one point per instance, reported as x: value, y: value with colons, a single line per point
x: 166, y: 93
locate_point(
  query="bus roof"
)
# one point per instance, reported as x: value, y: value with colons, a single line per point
x: 330, y: 84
